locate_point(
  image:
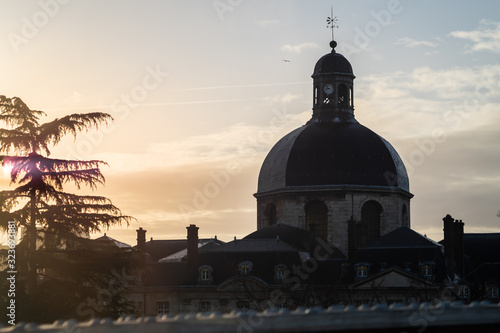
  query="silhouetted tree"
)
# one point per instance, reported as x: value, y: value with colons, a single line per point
x: 53, y: 220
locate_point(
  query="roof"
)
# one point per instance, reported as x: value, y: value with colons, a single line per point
x: 332, y: 63
x: 203, y: 245
x: 332, y: 154
x: 296, y: 237
x: 485, y: 273
x: 403, y: 248
x: 402, y: 237
x: 158, y: 249
x: 254, y: 245
x: 482, y: 248
x: 114, y: 241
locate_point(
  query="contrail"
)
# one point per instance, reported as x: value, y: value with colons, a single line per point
x: 193, y: 102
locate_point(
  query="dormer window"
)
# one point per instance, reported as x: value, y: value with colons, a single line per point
x: 426, y: 270
x: 463, y: 292
x: 280, y: 272
x: 245, y: 267
x: 362, y: 270
x: 492, y: 292
x: 407, y: 266
x: 383, y: 266
x: 205, y: 274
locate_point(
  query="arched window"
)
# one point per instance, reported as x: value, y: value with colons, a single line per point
x: 271, y: 215
x: 317, y: 214
x: 245, y: 267
x: 352, y: 96
x: 343, y: 98
x: 369, y: 226
x: 205, y: 274
x: 316, y: 96
x: 280, y: 271
x: 405, y: 221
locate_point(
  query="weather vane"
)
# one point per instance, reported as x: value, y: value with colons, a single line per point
x: 331, y: 22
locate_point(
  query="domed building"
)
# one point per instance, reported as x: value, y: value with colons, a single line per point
x: 333, y: 170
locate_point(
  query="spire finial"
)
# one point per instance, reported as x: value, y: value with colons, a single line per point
x: 331, y: 22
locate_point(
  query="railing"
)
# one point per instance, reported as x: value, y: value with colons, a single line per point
x: 442, y: 317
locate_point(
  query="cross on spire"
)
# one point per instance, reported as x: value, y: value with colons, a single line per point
x: 331, y: 22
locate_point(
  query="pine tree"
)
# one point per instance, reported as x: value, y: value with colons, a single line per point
x: 53, y: 219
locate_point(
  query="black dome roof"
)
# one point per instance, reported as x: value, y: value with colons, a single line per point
x: 332, y: 63
x: 328, y: 153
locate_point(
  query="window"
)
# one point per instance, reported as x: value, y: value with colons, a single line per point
x: 245, y: 267
x: 205, y: 274
x: 280, y: 271
x: 140, y: 307
x: 352, y: 96
x: 383, y: 266
x: 317, y: 215
x: 162, y: 308
x: 271, y: 215
x: 368, y: 229
x: 492, y: 292
x: 243, y: 306
x: 342, y: 95
x: 362, y: 270
x: 407, y: 266
x: 463, y: 292
x: 405, y: 220
x: 426, y: 269
x: 204, y: 306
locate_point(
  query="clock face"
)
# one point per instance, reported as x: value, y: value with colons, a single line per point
x: 328, y: 89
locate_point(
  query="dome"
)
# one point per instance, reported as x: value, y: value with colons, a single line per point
x: 332, y: 63
x: 332, y: 154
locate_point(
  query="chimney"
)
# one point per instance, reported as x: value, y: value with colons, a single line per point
x: 192, y: 244
x: 453, y: 246
x: 141, y: 239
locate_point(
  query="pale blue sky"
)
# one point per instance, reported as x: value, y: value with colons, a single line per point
x: 195, y: 86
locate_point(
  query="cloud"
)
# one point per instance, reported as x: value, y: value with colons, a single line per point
x: 299, y: 47
x: 409, y: 42
x: 486, y: 37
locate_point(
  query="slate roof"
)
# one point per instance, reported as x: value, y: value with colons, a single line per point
x: 203, y: 245
x: 158, y: 249
x: 332, y: 63
x: 403, y: 248
x: 296, y: 237
x: 402, y: 237
x: 482, y: 248
x: 265, y: 248
x: 114, y: 241
x: 332, y: 154
x: 484, y: 274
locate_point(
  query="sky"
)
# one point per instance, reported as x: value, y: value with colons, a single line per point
x: 200, y: 92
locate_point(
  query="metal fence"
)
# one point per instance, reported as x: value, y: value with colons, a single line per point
x: 442, y: 317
